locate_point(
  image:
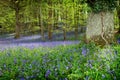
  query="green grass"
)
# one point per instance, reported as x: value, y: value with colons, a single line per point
x: 72, y: 62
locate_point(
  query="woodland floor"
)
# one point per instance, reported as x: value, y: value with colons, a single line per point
x: 32, y: 41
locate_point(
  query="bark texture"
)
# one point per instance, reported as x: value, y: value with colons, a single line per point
x: 100, y: 28
x: 17, y: 16
x: 50, y: 22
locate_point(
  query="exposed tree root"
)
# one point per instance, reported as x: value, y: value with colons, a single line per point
x: 103, y: 32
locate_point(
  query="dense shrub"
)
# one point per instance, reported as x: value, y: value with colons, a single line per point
x: 73, y: 62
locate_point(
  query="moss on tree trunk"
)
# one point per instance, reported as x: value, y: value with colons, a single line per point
x: 100, y: 28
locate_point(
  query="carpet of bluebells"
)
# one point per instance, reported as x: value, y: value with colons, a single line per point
x: 65, y: 62
x: 5, y: 44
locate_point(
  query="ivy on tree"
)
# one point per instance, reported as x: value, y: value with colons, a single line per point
x: 102, y: 5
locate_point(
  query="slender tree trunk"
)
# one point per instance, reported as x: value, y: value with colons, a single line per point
x: 41, y: 22
x: 50, y: 23
x: 64, y: 34
x: 64, y: 27
x: 75, y: 23
x: 76, y: 28
x: 17, y: 28
x: 76, y: 32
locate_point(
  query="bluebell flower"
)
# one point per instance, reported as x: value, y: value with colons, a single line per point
x: 65, y: 79
x: 67, y: 67
x: 90, y: 63
x: 4, y: 65
x: 103, y: 76
x: 22, y: 78
x: 118, y: 40
x: 32, y: 76
x: 47, y: 73
x: 34, y: 62
x: 111, y: 72
x: 15, y: 61
x: 24, y: 61
x: 30, y: 66
x: 2, y: 49
x: 87, y: 78
x: 84, y: 51
x: 71, y: 58
x: 8, y: 54
x: 32, y: 47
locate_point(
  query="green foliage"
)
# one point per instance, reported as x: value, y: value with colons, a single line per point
x: 116, y: 66
x: 70, y: 13
x: 116, y: 19
x: 83, y: 61
x: 7, y: 20
x: 102, y: 5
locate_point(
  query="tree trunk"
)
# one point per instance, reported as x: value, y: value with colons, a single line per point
x: 50, y: 22
x: 17, y: 29
x: 76, y: 32
x: 118, y: 12
x: 64, y: 34
x: 76, y: 25
x: 75, y: 22
x: 65, y: 27
x: 41, y: 23
x: 100, y: 28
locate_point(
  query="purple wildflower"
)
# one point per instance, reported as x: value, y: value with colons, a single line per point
x: 84, y: 51
x: 118, y: 40
x: 65, y: 79
x: 47, y: 73
x: 24, y: 61
x: 30, y: 66
x: 4, y: 65
x: 32, y: 76
x: 32, y: 46
x: 67, y: 67
x: 34, y: 62
x: 103, y: 76
x: 15, y: 61
x: 87, y: 78
x: 71, y: 58
x: 111, y: 72
x: 22, y: 78
x: 2, y: 49
x: 90, y: 63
